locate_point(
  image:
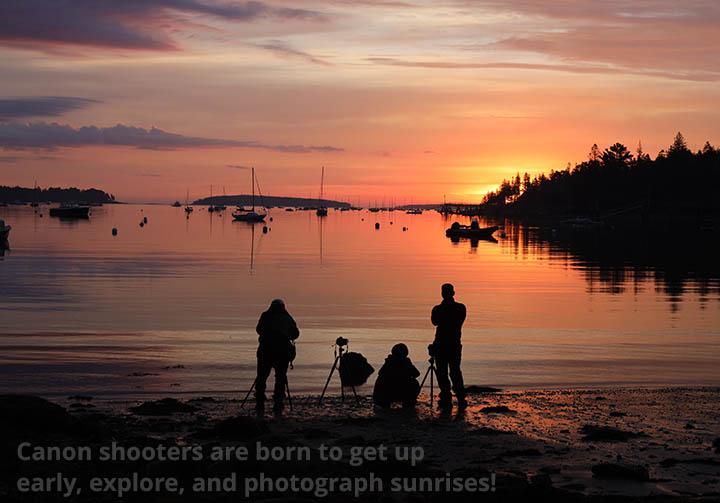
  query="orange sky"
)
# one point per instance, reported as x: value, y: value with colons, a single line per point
x: 406, y: 100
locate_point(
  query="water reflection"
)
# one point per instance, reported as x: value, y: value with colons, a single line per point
x: 617, y: 261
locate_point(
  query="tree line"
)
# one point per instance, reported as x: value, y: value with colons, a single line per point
x: 615, y: 178
x: 53, y: 195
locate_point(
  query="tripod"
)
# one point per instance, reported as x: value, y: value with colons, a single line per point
x: 287, y: 387
x: 432, y: 372
x: 339, y: 350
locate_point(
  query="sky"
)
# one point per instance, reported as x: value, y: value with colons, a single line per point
x: 404, y: 102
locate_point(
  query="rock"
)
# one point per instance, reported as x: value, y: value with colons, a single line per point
x: 541, y: 480
x: 499, y: 409
x: 617, y: 414
x: 26, y: 414
x: 315, y: 433
x: 550, y: 470
x: 80, y: 405
x: 487, y: 432
x: 689, y: 426
x: 481, y: 389
x: 237, y: 428
x: 607, y: 434
x: 599, y: 398
x: 621, y: 471
x: 203, y: 399
x: 521, y: 453
x: 163, y: 407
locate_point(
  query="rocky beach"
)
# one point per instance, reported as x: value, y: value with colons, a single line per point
x: 619, y: 444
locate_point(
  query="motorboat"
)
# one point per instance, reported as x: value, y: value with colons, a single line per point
x: 70, y: 211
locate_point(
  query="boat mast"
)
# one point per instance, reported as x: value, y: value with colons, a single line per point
x: 253, y: 190
x: 322, y: 185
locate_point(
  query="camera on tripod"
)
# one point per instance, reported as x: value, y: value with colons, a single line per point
x: 341, y: 341
x: 431, y: 350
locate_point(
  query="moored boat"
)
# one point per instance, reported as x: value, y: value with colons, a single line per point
x: 472, y: 231
x: 252, y: 215
x: 70, y: 211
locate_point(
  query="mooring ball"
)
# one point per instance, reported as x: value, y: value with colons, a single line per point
x: 142, y: 224
x: 271, y: 219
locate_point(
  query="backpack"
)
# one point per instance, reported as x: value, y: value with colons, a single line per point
x: 354, y: 369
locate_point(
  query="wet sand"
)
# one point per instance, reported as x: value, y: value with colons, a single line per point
x: 552, y: 445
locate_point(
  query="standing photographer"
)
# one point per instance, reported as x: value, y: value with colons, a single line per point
x: 277, y: 331
x: 448, y: 317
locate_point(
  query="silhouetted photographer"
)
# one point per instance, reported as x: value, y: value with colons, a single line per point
x: 277, y: 331
x: 448, y: 317
x: 397, y: 380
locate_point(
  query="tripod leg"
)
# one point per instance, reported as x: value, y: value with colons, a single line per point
x: 424, y: 378
x: 242, y: 405
x: 357, y: 400
x: 432, y: 393
x: 328, y: 380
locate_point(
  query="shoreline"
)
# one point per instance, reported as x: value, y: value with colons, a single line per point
x: 553, y: 445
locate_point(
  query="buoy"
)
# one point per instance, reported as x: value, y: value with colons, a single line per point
x: 114, y: 231
x: 362, y: 219
x: 145, y: 219
x: 271, y: 219
x: 502, y: 234
x: 40, y: 215
x: 142, y: 224
x: 377, y: 225
x: 390, y: 222
x: 264, y: 229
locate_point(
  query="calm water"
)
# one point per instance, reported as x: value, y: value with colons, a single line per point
x: 81, y: 310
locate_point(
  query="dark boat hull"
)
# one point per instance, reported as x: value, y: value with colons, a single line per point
x: 470, y: 233
x: 79, y: 212
x: 248, y: 217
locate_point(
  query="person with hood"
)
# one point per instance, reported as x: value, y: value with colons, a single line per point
x: 277, y: 330
x: 448, y: 317
x: 397, y: 380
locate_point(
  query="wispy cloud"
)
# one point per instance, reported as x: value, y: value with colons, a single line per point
x: 698, y: 76
x: 41, y: 106
x: 283, y: 49
x: 236, y: 166
x: 129, y: 24
x: 49, y: 136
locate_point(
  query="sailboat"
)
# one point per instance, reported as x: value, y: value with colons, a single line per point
x: 188, y: 208
x: 221, y: 207
x: 250, y: 216
x: 322, y: 210
x: 211, y: 208
x: 35, y: 202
